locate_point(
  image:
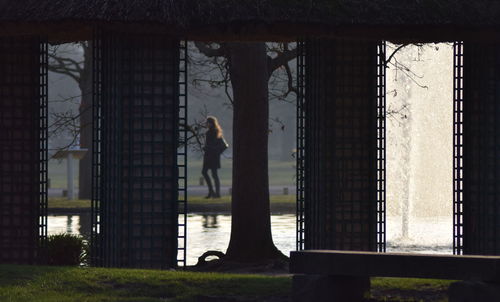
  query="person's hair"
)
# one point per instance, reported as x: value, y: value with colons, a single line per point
x: 213, y: 120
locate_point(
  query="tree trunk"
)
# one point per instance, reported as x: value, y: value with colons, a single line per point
x: 85, y: 171
x: 251, y: 238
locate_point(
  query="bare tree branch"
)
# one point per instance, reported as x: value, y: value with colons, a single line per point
x: 394, y: 53
x: 399, y: 114
x: 68, y: 99
x: 410, y: 74
x: 67, y: 146
x: 196, y: 139
x: 227, y: 85
x: 67, y: 62
x: 278, y: 121
x: 290, y: 81
x: 67, y: 119
x: 210, y: 52
x: 75, y: 77
x: 282, y: 59
x: 66, y: 66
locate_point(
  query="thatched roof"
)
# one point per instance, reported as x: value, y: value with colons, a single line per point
x: 284, y: 18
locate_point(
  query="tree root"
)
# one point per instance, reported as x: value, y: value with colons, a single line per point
x: 202, y: 260
x: 276, y: 265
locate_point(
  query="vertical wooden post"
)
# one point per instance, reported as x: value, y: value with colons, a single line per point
x: 23, y: 142
x: 341, y: 145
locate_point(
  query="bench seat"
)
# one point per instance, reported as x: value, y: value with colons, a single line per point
x: 327, y: 275
x: 350, y: 263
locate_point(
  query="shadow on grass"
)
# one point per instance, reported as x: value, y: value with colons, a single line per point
x: 11, y: 274
x: 41, y: 283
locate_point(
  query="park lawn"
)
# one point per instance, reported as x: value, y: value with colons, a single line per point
x: 63, y: 203
x: 409, y: 289
x: 44, y: 283
x: 280, y: 172
x: 227, y: 199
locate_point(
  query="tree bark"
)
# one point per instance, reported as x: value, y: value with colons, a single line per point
x: 251, y: 238
x: 85, y: 171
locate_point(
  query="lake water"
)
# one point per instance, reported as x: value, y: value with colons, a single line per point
x: 211, y: 232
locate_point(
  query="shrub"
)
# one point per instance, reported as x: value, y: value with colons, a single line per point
x: 66, y: 249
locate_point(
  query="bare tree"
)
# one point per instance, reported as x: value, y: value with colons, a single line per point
x: 248, y: 67
x: 80, y: 125
x: 246, y: 71
x: 252, y: 74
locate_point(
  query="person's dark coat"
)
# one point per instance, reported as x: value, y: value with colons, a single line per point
x: 211, y: 158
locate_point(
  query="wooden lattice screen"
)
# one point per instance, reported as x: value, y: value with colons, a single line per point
x: 481, y: 148
x: 135, y: 203
x: 458, y: 150
x: 342, y: 132
x: 23, y: 149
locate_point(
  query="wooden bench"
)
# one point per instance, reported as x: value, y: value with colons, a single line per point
x: 326, y: 275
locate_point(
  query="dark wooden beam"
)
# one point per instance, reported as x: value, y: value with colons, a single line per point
x: 75, y: 30
x: 358, y: 264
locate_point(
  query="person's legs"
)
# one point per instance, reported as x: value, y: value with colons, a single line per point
x: 209, y: 182
x: 215, y: 176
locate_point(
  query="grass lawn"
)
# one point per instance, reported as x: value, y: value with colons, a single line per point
x: 63, y: 203
x: 409, y: 289
x: 42, y: 283
x: 280, y: 173
x: 227, y: 199
x: 38, y: 283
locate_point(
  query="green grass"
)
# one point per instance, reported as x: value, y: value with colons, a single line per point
x: 410, y: 289
x: 227, y: 199
x: 64, y: 203
x: 280, y: 173
x: 410, y: 283
x: 43, y: 283
x: 38, y: 283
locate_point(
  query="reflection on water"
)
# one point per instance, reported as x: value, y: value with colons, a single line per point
x: 64, y: 224
x: 211, y: 232
x: 429, y: 235
x: 205, y: 232
x: 71, y: 224
x: 210, y: 221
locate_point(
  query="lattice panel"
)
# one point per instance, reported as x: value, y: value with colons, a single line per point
x: 300, y: 152
x: 96, y: 239
x: 341, y: 145
x: 458, y: 147
x: 23, y: 149
x: 182, y: 151
x: 381, y: 147
x: 137, y: 208
x: 481, y: 170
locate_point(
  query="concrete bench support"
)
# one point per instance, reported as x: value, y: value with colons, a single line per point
x: 321, y: 288
x: 324, y: 275
x: 471, y: 291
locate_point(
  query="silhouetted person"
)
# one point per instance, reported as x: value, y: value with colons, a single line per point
x: 214, y: 146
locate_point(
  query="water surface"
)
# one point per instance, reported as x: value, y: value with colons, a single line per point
x: 211, y: 232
